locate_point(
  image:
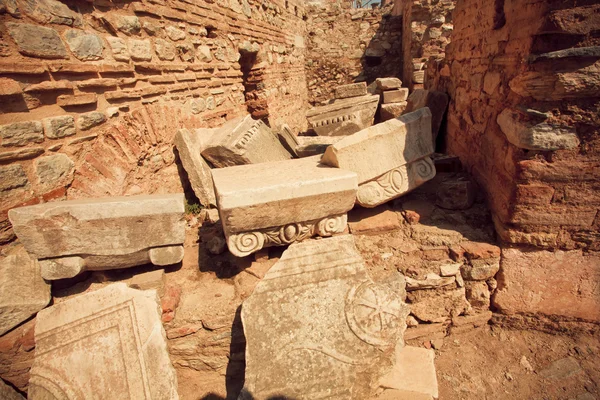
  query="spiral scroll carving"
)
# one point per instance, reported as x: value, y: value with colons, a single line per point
x: 424, y: 169
x: 329, y: 226
x: 246, y: 243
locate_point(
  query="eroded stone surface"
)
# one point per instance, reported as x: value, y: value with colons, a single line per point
x: 413, y: 371
x: 259, y: 208
x: 388, y: 83
x: 437, y: 102
x: 395, y: 96
x: 391, y: 110
x: 107, y: 341
x: 37, y: 41
x: 23, y: 292
x: 8, y: 393
x: 244, y: 141
x: 390, y: 158
x: 351, y: 90
x: 318, y: 327
x: 344, y: 116
x: 189, y: 145
x: 94, y: 234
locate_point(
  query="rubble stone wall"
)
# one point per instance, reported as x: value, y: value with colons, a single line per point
x: 92, y: 93
x: 346, y: 45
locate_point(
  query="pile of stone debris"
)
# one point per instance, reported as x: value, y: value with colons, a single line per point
x: 316, y: 325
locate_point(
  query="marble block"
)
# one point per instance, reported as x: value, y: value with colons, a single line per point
x: 344, y: 116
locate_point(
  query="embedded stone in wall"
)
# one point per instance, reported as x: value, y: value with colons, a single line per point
x: 115, y: 332
x: 54, y: 171
x: 351, y: 90
x: 89, y: 120
x: 69, y: 237
x: 165, y: 50
x: 317, y: 326
x: 174, y: 33
x: 37, y: 41
x: 59, y: 127
x: 189, y: 145
x: 260, y: 208
x: 85, y: 46
x: 128, y: 24
x: 395, y: 96
x: 21, y: 133
x: 390, y: 158
x: 140, y: 50
x: 392, y: 110
x: 244, y: 141
x: 536, y: 136
x: 343, y: 117
x: 23, y: 292
x: 12, y: 177
x: 119, y: 48
x: 49, y: 12
x: 437, y: 102
x: 388, y: 83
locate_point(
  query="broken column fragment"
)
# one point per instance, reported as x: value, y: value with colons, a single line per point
x: 189, y: 145
x: 108, y: 341
x: 317, y: 326
x: 390, y: 158
x: 277, y: 203
x: 23, y: 291
x: 69, y: 237
x: 344, y: 116
x: 244, y: 141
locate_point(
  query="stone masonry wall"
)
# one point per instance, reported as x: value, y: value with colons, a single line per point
x: 346, y: 45
x: 92, y: 93
x: 524, y: 82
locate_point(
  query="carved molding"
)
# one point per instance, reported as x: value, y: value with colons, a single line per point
x: 245, y: 243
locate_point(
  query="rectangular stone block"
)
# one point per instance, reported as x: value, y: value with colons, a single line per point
x: 344, y: 116
x: 23, y: 292
x: 395, y: 96
x: 109, y: 342
x: 437, y: 102
x: 414, y: 371
x: 21, y: 133
x: 306, y: 146
x: 392, y: 110
x: 351, y: 90
x: 189, y: 145
x: 69, y: 237
x: 388, y: 83
x: 390, y: 158
x: 317, y: 326
x: 244, y: 141
x: 277, y: 203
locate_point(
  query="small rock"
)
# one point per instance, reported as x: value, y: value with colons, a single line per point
x: 212, y: 215
x: 216, y: 245
x: 174, y: 33
x: 480, y: 270
x: 508, y: 376
x: 450, y: 269
x: 437, y: 343
x: 432, y: 281
x: 149, y: 280
x: 59, y: 127
x: 525, y: 364
x: 411, y: 321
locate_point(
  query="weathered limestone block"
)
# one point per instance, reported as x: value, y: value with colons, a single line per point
x: 189, y: 145
x: 69, y: 237
x: 277, y: 203
x: 390, y: 158
x: 343, y: 117
x: 391, y: 110
x: 388, y: 83
x: 318, y: 327
x: 107, y: 341
x: 306, y: 146
x: 84, y: 45
x: 541, y: 136
x: 119, y: 48
x: 414, y: 371
x: 395, y: 96
x: 23, y: 292
x: 37, y: 41
x: 22, y: 133
x: 351, y: 90
x: 244, y: 141
x: 437, y: 102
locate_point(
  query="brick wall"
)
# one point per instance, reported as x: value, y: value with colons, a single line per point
x: 92, y: 93
x: 346, y: 45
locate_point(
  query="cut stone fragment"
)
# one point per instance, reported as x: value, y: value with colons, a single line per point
x: 244, y: 141
x: 107, y: 341
x: 260, y: 208
x: 37, y: 41
x: 392, y: 110
x: 343, y: 117
x: 69, y: 237
x: 437, y: 102
x: 390, y: 158
x: 149, y: 280
x: 23, y: 292
x: 531, y: 136
x: 395, y: 96
x: 310, y: 329
x: 388, y: 83
x: 306, y: 146
x: 189, y: 145
x: 414, y: 371
x: 351, y: 90
x: 8, y: 393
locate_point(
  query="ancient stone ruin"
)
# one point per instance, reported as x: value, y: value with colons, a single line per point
x: 293, y: 200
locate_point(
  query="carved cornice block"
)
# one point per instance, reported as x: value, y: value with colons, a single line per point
x: 344, y: 116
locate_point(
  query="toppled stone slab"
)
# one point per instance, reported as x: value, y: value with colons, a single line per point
x: 437, y: 102
x: 344, y: 116
x: 390, y: 159
x: 69, y: 237
x: 317, y: 326
x: 23, y: 292
x: 306, y: 146
x: 189, y: 145
x: 536, y: 136
x: 391, y: 110
x: 395, y: 96
x: 244, y: 141
x: 108, y: 341
x: 351, y: 90
x: 260, y: 208
x: 414, y: 371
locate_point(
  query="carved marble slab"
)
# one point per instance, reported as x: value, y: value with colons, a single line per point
x: 390, y: 158
x: 277, y: 203
x: 244, y: 141
x: 69, y: 237
x: 105, y: 344
x: 344, y: 116
x: 317, y: 327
